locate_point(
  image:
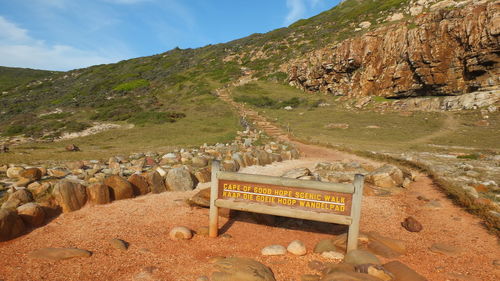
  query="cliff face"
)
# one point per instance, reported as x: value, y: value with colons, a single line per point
x: 444, y: 52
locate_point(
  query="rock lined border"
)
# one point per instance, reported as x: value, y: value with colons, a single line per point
x: 36, y: 193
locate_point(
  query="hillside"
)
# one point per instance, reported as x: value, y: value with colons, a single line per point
x: 11, y: 77
x: 163, y: 87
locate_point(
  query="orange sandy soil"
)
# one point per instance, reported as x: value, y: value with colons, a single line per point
x: 144, y: 222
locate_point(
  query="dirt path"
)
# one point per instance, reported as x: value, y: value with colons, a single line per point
x: 449, y: 126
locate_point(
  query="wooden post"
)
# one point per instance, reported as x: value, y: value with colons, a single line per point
x: 352, y: 239
x: 213, y: 227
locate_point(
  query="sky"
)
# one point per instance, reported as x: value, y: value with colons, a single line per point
x: 70, y: 34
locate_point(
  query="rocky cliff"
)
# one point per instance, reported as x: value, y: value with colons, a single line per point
x: 446, y: 50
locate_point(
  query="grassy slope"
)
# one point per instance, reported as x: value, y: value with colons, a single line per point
x: 11, y: 77
x: 397, y: 132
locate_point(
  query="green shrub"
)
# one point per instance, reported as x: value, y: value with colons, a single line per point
x: 14, y: 130
x: 468, y: 156
x: 131, y: 85
x: 75, y: 126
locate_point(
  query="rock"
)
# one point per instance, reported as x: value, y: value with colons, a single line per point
x: 203, y: 231
x: 395, y: 17
x: 202, y: 198
x: 14, y: 172
x: 98, y: 194
x: 325, y: 245
x: 202, y: 278
x: 402, y: 272
x: 412, y: 225
x: 230, y: 166
x: 297, y: 173
x: 4, y: 148
x: 59, y: 253
x: 139, y: 184
x: 297, y: 248
x: 72, y: 147
x: 365, y: 24
x: 375, y: 270
x: 118, y: 244
x: 387, y: 176
x: 22, y: 183
x: 32, y: 214
x: 120, y: 188
x: 75, y: 165
x: 384, y: 246
x: 203, y: 175
x: 273, y: 250
x: 57, y: 173
x: 442, y: 4
x: 445, y: 249
x: 199, y: 162
x: 69, y: 195
x: 180, y: 233
x: 180, y: 179
x: 241, y: 269
x: 357, y: 257
x: 332, y: 255
x: 416, y: 10
x: 39, y: 188
x: 156, y: 182
x: 11, y: 224
x: 33, y: 174
x: 22, y: 196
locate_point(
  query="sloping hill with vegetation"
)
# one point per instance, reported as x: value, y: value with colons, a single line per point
x: 11, y: 77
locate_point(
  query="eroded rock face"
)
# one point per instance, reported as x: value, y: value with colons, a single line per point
x: 441, y: 53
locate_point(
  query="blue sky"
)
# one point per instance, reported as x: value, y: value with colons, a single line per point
x: 69, y: 34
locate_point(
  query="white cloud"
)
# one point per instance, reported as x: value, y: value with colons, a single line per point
x: 18, y: 49
x: 297, y: 9
x: 10, y: 32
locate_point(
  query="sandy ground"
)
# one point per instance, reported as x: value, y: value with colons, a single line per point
x: 144, y: 222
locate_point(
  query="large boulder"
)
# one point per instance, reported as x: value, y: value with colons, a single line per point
x: 241, y: 269
x: 203, y: 174
x: 140, y: 184
x: 387, y: 176
x: 17, y: 198
x: 13, y: 172
x: 120, y: 188
x: 180, y: 179
x: 32, y: 214
x: 11, y: 224
x: 156, y: 182
x: 98, y: 194
x: 33, y: 174
x: 263, y: 157
x: 70, y: 196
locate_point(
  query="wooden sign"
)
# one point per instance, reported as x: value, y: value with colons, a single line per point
x: 311, y: 200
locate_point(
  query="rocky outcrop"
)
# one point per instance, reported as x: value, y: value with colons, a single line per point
x: 444, y: 52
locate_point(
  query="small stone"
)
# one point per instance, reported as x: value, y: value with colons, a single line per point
x: 33, y: 174
x: 297, y: 248
x: 412, y: 225
x: 325, y: 245
x: 357, y: 257
x: 444, y: 249
x: 60, y: 253
x: 240, y: 269
x: 180, y: 233
x: 226, y: 236
x: 119, y: 244
x: 13, y: 172
x: 202, y: 278
x: 332, y: 255
x: 403, y: 272
x: 273, y: 250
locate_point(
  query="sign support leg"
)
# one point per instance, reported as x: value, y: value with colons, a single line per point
x: 213, y: 227
x: 352, y: 238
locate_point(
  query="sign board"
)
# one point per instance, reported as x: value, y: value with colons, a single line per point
x: 311, y: 200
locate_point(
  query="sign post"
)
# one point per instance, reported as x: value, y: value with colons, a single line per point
x: 310, y: 200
